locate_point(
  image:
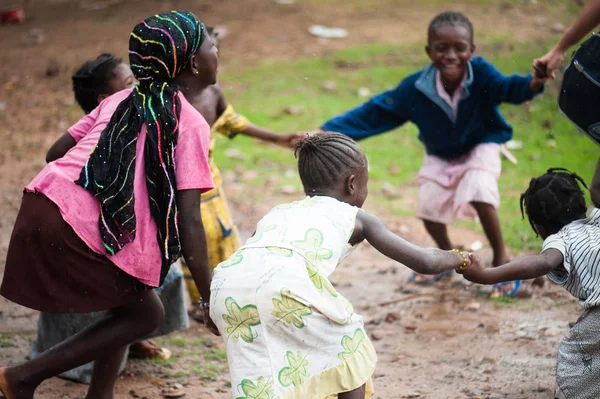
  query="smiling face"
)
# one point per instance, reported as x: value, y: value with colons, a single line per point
x: 450, y: 48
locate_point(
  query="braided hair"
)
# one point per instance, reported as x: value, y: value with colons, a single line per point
x: 159, y: 49
x: 325, y: 158
x: 449, y: 18
x: 91, y: 80
x: 554, y: 200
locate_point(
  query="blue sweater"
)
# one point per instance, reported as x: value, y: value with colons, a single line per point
x: 445, y: 135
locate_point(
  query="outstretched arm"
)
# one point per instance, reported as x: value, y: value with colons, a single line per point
x: 587, y: 20
x: 422, y: 260
x: 524, y: 268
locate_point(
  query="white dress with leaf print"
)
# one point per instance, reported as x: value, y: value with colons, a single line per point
x: 288, y: 333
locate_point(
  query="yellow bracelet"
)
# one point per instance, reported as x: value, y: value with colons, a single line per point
x: 462, y: 267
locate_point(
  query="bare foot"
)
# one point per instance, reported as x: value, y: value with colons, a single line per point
x: 148, y: 349
x: 11, y: 390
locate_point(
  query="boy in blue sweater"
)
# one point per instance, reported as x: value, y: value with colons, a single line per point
x: 454, y: 103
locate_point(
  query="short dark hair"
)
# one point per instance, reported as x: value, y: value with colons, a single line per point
x: 91, y: 80
x: 554, y: 200
x: 449, y: 18
x: 326, y: 157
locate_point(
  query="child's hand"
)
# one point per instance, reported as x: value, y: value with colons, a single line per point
x: 538, y: 80
x: 289, y: 140
x: 474, y: 268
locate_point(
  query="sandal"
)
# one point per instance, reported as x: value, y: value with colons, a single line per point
x: 148, y: 349
x: 499, y: 287
x: 197, y: 315
x: 428, y: 280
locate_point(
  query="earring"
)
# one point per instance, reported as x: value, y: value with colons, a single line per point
x: 196, y: 72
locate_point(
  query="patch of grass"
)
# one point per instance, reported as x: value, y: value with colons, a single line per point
x: 548, y: 139
x: 216, y: 354
x: 160, y: 361
x: 208, y: 372
x: 7, y: 341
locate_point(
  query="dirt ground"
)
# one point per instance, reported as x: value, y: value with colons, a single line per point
x: 436, y: 342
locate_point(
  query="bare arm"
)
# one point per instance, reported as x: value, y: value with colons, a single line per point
x: 60, y: 147
x: 422, y: 260
x: 595, y: 186
x: 193, y: 240
x: 587, y: 20
x: 524, y: 268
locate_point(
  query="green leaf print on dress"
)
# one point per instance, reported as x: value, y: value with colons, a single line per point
x: 296, y: 373
x: 312, y: 246
x: 259, y: 233
x: 261, y: 390
x: 319, y: 281
x: 233, y: 260
x: 290, y: 311
x: 352, y: 344
x: 240, y: 320
x: 284, y: 252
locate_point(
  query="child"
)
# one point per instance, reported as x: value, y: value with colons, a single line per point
x: 287, y: 331
x: 454, y: 103
x: 556, y: 209
x: 93, y: 82
x: 221, y: 234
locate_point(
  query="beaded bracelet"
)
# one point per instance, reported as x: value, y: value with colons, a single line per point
x: 203, y: 305
x: 462, y: 267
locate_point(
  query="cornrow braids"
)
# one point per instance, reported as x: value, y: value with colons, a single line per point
x: 91, y: 80
x: 553, y: 200
x: 450, y: 18
x: 325, y: 158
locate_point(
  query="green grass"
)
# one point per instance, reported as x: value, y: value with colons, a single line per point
x: 396, y: 157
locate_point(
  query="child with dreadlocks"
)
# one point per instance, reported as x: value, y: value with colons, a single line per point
x: 570, y: 256
x: 454, y: 103
x: 94, y: 81
x: 221, y: 233
x: 288, y: 333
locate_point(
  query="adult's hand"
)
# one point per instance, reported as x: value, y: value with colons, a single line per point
x: 549, y: 63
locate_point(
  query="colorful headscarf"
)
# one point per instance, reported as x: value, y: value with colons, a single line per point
x: 159, y: 48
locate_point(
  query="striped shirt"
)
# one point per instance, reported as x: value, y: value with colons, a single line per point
x: 579, y: 243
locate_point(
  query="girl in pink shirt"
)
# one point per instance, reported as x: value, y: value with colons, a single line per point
x: 99, y: 227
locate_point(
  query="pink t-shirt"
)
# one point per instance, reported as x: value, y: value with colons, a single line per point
x: 451, y: 101
x: 140, y: 258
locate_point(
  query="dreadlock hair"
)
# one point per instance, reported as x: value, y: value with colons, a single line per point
x: 449, y: 18
x: 91, y: 80
x: 554, y: 200
x: 325, y: 158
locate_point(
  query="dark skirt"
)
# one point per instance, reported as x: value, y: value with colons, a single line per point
x: 50, y: 269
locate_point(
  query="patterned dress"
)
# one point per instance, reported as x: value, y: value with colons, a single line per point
x: 288, y: 333
x: 222, y: 237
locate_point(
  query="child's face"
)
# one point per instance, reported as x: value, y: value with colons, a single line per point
x: 122, y: 78
x: 450, y: 49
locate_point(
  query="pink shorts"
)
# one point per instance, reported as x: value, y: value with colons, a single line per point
x: 447, y: 188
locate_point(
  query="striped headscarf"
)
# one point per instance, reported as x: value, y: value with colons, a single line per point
x: 159, y: 48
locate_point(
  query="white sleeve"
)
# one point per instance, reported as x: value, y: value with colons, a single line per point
x: 560, y: 274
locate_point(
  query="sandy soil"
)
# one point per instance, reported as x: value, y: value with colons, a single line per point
x: 435, y: 342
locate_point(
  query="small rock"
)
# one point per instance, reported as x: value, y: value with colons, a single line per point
x: 551, y: 143
x: 364, y: 92
x: 473, y: 306
x: 34, y: 37
x: 557, y: 28
x: 327, y: 32
x: 540, y: 21
x: 547, y: 124
x: 541, y: 389
x: 293, y: 110
x: 285, y: 1
x: 53, y: 69
x: 476, y: 245
x: 392, y: 316
x: 390, y: 191
x: 550, y: 332
x: 404, y: 229
x: 329, y: 86
x: 375, y: 322
x: 536, y: 157
x: 250, y: 175
x: 133, y: 394
x: 289, y: 190
x: 234, y: 153
x: 2, y: 106
x: 399, y: 357
x: 514, y: 145
x: 376, y: 336
x: 410, y: 329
